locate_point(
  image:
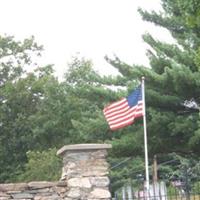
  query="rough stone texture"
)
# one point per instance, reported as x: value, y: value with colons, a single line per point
x: 13, y: 187
x: 33, y: 191
x: 100, y: 181
x: 99, y: 193
x: 74, y: 193
x: 84, y: 177
x: 85, y: 170
x: 41, y: 184
x: 79, y: 182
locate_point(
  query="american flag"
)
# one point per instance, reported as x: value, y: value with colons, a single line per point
x: 123, y: 112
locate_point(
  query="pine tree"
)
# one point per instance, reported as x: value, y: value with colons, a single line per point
x: 172, y: 83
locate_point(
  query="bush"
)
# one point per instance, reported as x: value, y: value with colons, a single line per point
x: 42, y: 166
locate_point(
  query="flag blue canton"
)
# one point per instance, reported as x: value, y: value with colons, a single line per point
x: 135, y: 97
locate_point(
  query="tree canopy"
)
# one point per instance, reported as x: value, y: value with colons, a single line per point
x: 38, y: 113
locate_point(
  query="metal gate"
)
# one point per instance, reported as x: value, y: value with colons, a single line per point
x: 175, y: 190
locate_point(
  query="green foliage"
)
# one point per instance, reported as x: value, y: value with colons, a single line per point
x: 14, y: 55
x: 37, y: 112
x: 19, y: 100
x: 172, y: 79
x: 87, y: 93
x: 128, y: 172
x: 42, y: 166
x: 195, y: 188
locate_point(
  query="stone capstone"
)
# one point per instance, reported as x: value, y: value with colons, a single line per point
x: 83, y: 147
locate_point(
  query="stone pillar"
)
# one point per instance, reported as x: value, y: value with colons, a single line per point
x: 85, y: 170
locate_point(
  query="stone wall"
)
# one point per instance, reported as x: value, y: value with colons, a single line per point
x: 84, y: 177
x: 34, y: 191
x: 85, y: 170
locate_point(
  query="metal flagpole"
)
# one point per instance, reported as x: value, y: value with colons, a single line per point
x: 145, y: 136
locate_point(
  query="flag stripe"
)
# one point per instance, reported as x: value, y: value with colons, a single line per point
x: 131, y: 115
x: 118, y: 112
x: 121, y: 125
x: 123, y: 112
x: 116, y: 104
x: 115, y: 127
x: 122, y: 105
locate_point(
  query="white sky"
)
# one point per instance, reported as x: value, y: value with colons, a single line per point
x: 94, y: 28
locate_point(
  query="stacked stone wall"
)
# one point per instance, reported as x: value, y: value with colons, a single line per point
x: 86, y: 174
x: 84, y: 177
x: 34, y: 191
x: 85, y: 170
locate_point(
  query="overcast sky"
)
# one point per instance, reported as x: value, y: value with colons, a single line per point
x: 93, y: 28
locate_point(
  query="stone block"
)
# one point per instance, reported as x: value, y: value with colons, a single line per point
x: 99, y: 193
x: 61, y: 184
x: 13, y: 186
x: 22, y: 195
x: 2, y: 194
x: 99, y: 154
x: 79, y: 182
x: 100, y: 181
x: 4, y: 198
x: 74, y: 193
x: 41, y: 184
x: 60, y: 190
x: 38, y: 191
x: 53, y: 197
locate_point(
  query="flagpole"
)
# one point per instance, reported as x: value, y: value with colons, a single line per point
x: 145, y: 136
